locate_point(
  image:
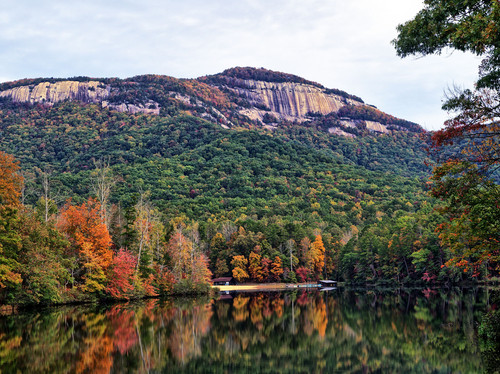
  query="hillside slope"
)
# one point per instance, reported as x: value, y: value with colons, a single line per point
x: 185, y: 151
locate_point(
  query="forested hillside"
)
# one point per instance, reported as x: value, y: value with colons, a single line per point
x: 196, y: 188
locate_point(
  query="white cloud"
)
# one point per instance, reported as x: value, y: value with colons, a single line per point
x: 342, y: 44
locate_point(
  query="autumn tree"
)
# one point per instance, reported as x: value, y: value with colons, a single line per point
x: 303, y: 250
x: 121, y: 274
x: 318, y: 255
x: 179, y: 249
x: 266, y: 268
x: 11, y: 184
x: 90, y: 244
x: 10, y: 246
x: 240, y: 268
x: 303, y: 273
x: 187, y: 259
x: 468, y: 146
x: 255, y: 267
x: 276, y: 269
x: 11, y: 181
x: 200, y: 273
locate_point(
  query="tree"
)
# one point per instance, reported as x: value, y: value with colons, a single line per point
x: 221, y: 268
x: 41, y: 258
x: 121, y: 274
x: 11, y: 181
x: 179, y: 249
x: 276, y: 269
x: 266, y: 268
x: 102, y: 183
x: 303, y: 273
x: 200, y: 272
x: 150, y: 231
x: 462, y: 25
x: 240, y: 268
x: 472, y: 230
x: 219, y: 254
x: 46, y: 204
x: 318, y: 255
x: 468, y: 146
x: 188, y: 261
x: 255, y: 267
x: 10, y: 246
x: 90, y: 243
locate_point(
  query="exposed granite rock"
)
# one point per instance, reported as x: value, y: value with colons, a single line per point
x: 376, y: 126
x: 51, y: 93
x: 286, y: 100
x: 348, y: 123
x: 151, y: 107
x: 338, y: 131
x: 86, y: 92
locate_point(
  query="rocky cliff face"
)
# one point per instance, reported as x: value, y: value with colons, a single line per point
x: 51, y: 93
x: 286, y: 100
x: 86, y: 92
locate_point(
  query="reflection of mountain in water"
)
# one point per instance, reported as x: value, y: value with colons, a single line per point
x: 275, y: 332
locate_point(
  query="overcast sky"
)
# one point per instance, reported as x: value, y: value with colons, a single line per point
x: 341, y: 44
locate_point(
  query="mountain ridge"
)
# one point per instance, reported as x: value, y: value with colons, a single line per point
x: 237, y: 96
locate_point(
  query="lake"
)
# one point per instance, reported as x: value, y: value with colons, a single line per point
x: 363, y: 331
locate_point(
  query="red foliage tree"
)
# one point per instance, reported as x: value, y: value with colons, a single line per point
x: 121, y: 274
x: 303, y: 273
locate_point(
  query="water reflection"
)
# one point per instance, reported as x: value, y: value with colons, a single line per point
x: 300, y: 332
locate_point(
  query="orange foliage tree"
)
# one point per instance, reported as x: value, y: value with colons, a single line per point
x: 10, y: 191
x: 11, y: 181
x: 276, y: 269
x: 255, y: 267
x: 90, y: 244
x: 318, y: 255
x: 200, y: 272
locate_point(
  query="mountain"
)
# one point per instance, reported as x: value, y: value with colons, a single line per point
x: 247, y: 142
x: 248, y: 162
x: 246, y: 96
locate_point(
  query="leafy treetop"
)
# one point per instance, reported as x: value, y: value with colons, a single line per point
x: 462, y: 25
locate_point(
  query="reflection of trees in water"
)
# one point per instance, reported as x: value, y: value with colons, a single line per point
x: 297, y: 331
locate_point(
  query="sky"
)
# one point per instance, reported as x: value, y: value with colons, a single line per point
x: 344, y: 44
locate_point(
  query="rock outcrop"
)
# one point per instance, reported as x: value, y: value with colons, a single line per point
x: 376, y: 126
x: 340, y: 132
x: 151, y: 107
x: 51, y: 93
x: 286, y: 100
x: 86, y: 92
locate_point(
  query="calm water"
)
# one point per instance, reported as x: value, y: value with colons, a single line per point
x: 301, y: 332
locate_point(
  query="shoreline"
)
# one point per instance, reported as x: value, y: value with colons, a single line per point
x: 266, y: 286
